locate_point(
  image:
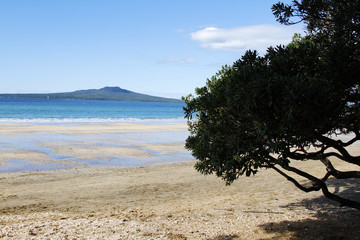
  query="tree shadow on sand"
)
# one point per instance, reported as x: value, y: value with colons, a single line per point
x: 327, y: 220
x: 226, y: 237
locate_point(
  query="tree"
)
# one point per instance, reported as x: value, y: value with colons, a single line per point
x: 286, y: 106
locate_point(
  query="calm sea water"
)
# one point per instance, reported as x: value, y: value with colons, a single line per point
x: 61, y: 110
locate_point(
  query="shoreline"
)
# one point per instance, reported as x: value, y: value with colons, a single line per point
x: 90, y: 120
x: 153, y: 201
x: 165, y: 202
x: 52, y: 146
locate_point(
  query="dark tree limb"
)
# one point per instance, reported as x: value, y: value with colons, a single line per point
x: 342, y: 201
x: 314, y: 156
x: 339, y: 146
x: 334, y: 154
x: 297, y: 184
x: 302, y: 156
x: 339, y: 174
x: 310, y: 177
x: 318, y: 184
x: 327, y: 143
x: 301, y: 173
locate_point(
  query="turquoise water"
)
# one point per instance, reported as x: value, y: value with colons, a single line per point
x: 22, y: 109
x: 77, y: 112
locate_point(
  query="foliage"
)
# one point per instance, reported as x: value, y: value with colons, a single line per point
x: 269, y: 111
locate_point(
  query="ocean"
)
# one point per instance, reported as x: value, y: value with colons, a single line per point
x: 70, y: 110
x: 35, y: 133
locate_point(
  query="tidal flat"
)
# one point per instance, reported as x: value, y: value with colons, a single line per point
x: 37, y: 147
x: 90, y: 191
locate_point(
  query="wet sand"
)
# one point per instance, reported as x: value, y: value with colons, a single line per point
x: 170, y: 201
x: 31, y: 147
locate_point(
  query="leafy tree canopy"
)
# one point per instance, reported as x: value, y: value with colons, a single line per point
x: 269, y: 111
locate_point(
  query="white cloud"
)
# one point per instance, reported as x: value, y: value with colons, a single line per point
x: 257, y: 37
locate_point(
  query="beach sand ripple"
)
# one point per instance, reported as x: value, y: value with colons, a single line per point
x: 170, y: 201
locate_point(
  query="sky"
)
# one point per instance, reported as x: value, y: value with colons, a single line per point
x: 158, y: 47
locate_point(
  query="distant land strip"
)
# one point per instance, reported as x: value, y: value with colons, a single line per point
x: 106, y: 93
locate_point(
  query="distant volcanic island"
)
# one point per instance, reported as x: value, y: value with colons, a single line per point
x: 106, y: 93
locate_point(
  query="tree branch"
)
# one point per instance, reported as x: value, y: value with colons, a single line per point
x: 339, y: 174
x: 313, y: 156
x: 297, y: 184
x: 342, y: 201
x: 340, y: 147
x: 301, y: 173
x: 299, y: 156
x: 317, y: 185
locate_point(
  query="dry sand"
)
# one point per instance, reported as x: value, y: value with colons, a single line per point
x: 170, y: 201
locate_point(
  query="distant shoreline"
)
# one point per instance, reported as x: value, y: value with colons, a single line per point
x: 104, y: 94
x: 36, y: 96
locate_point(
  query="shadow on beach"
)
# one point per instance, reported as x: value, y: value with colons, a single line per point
x: 327, y: 220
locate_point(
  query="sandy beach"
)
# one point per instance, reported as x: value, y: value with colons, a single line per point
x: 156, y: 199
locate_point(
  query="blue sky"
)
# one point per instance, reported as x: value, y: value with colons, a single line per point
x: 158, y: 47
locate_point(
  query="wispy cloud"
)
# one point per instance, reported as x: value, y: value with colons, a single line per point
x: 257, y: 37
x: 180, y: 61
